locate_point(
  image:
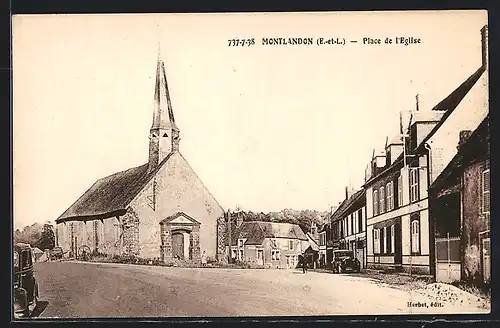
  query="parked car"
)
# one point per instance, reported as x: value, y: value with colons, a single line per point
x: 25, y: 283
x: 345, y: 261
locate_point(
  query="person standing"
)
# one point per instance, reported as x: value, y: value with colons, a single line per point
x: 204, y: 259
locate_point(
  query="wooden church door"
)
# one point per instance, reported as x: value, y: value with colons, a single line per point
x: 178, y: 245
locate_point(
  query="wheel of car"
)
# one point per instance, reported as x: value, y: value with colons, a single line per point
x: 26, y: 312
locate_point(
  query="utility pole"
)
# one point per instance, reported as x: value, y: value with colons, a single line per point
x: 229, y: 235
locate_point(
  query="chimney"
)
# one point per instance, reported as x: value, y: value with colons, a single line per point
x: 484, y: 46
x: 346, y: 193
x: 463, y: 136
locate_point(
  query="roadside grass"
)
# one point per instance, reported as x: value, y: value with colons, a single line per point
x: 454, y: 293
x: 130, y: 259
x: 401, y: 281
x: 482, y: 293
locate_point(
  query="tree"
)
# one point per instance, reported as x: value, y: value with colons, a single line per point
x: 29, y: 234
x: 304, y: 218
x: 47, y: 239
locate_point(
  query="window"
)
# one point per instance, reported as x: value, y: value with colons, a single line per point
x: 400, y: 191
x: 352, y: 224
x: 16, y: 259
x: 234, y: 253
x: 376, y: 241
x: 375, y: 202
x: 360, y: 220
x: 383, y: 238
x: 415, y: 236
x: 117, y: 232
x: 390, y: 196
x: 26, y: 260
x: 382, y: 199
x: 393, y: 239
x: 290, y: 245
x: 240, y: 242
x: 275, y: 255
x: 486, y: 190
x: 413, y: 184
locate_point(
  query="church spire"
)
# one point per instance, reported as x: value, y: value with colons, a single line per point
x: 163, y: 115
x: 164, y: 134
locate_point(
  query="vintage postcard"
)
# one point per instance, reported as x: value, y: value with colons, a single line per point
x: 250, y: 164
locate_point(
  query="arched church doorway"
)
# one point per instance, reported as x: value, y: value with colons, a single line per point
x: 180, y: 238
x: 178, y: 245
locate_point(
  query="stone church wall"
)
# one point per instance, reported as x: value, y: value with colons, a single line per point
x: 176, y: 188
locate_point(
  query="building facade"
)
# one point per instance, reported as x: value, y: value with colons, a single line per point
x: 322, y: 245
x: 159, y: 210
x: 399, y: 227
x: 460, y: 204
x: 269, y: 244
x: 349, y: 225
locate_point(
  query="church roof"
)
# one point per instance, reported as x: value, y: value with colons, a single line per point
x: 109, y: 196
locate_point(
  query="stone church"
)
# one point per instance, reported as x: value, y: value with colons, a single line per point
x: 159, y: 210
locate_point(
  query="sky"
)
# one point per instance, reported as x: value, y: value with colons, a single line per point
x: 264, y: 127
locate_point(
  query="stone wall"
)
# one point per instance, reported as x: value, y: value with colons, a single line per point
x: 177, y: 189
x: 130, y: 237
x: 222, y: 255
x: 194, y: 245
x: 476, y: 225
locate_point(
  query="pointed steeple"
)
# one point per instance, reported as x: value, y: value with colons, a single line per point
x: 163, y: 114
x: 164, y: 134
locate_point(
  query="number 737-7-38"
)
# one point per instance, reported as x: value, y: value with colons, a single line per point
x: 241, y: 42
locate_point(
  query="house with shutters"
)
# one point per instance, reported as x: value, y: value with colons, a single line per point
x: 322, y: 236
x: 159, y: 210
x: 400, y: 232
x: 269, y: 244
x: 349, y: 225
x: 460, y: 205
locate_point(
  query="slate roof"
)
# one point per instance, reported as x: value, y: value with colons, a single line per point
x: 448, y: 104
x: 109, y: 196
x: 256, y: 231
x: 347, y: 204
x: 475, y: 148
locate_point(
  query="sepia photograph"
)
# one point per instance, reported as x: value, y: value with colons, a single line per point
x: 216, y: 165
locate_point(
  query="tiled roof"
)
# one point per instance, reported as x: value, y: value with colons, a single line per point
x: 256, y: 231
x: 109, y: 196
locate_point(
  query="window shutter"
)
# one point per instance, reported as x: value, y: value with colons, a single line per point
x: 393, y: 238
x: 486, y: 191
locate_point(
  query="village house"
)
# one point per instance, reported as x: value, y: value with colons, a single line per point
x: 399, y: 228
x: 349, y: 225
x: 158, y: 210
x: 269, y: 244
x: 459, y: 202
x: 311, y: 254
x: 322, y: 245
